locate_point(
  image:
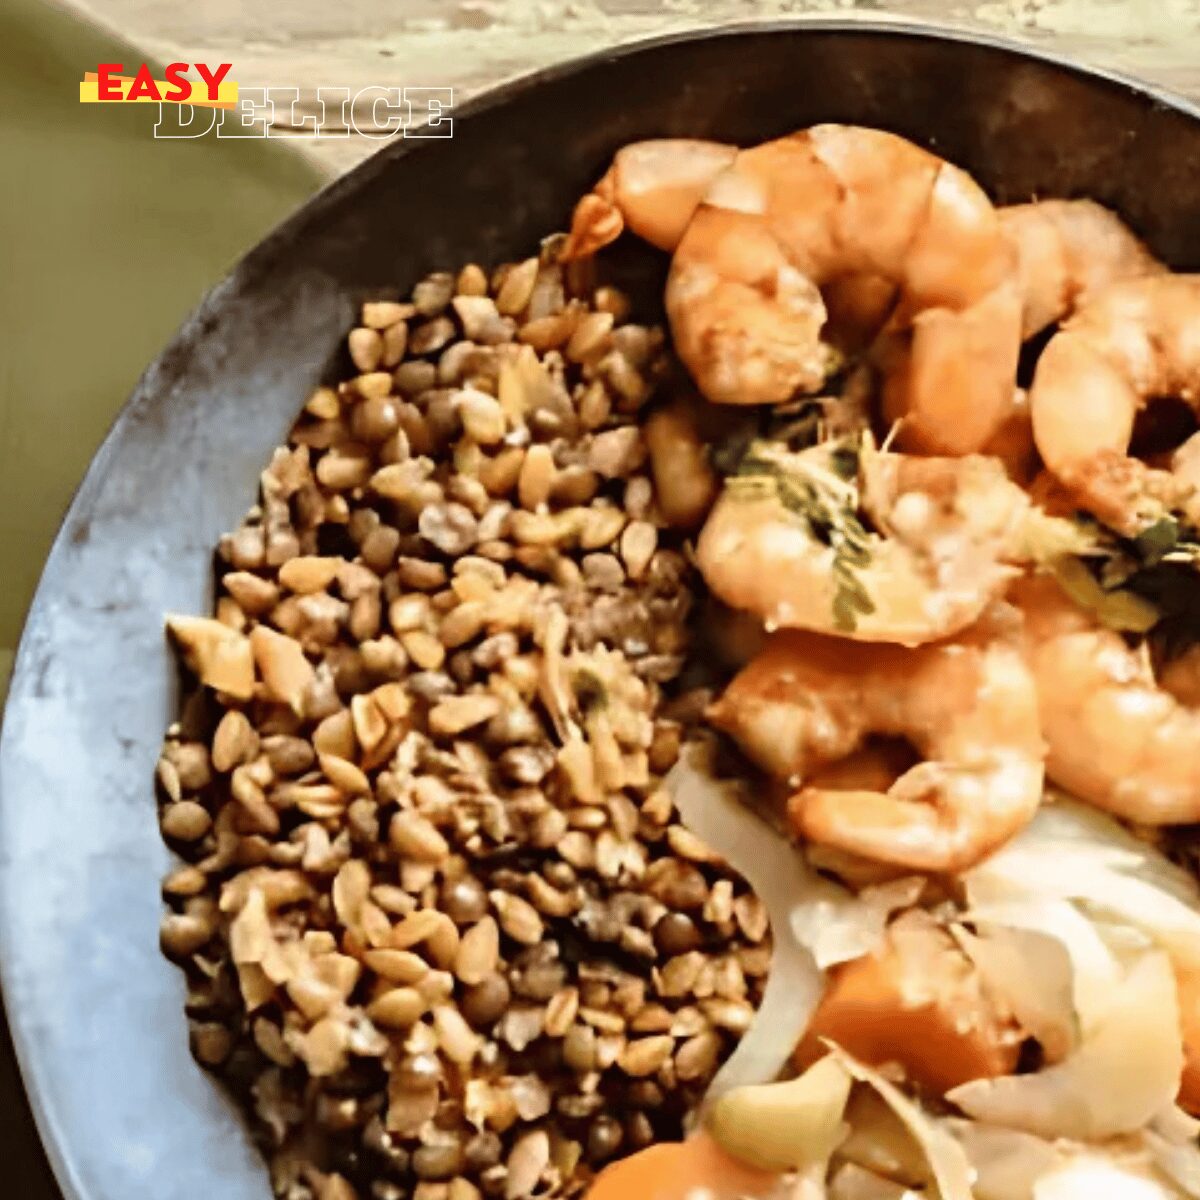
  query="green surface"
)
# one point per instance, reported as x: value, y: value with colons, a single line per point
x: 108, y: 237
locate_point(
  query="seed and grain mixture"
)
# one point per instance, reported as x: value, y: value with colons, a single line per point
x: 444, y: 934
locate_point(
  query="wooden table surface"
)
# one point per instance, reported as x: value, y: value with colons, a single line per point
x: 472, y: 44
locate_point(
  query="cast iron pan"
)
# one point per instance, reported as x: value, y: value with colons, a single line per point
x: 96, y: 1013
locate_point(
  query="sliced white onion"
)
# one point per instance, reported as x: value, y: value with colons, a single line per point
x: 1012, y: 1165
x: 837, y: 925
x: 1068, y: 852
x: 1095, y: 969
x: 852, y: 1182
x: 1178, y: 1161
x: 1176, y: 1126
x: 1066, y: 819
x: 1096, y: 1177
x: 1029, y: 974
x: 878, y: 1141
x: 1006, y: 1162
x: 1170, y: 1141
x: 1125, y: 1072
x: 946, y: 1157
x: 780, y: 878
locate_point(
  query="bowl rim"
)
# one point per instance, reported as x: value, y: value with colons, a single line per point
x: 25, y: 666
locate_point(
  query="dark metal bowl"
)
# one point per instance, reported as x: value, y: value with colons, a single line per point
x: 96, y: 1013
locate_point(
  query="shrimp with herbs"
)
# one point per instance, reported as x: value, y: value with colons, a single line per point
x: 871, y: 545
x: 1115, y: 735
x: 968, y: 706
x: 1130, y: 343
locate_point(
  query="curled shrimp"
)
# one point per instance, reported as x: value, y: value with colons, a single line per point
x: 785, y: 542
x: 1116, y: 737
x: 780, y: 222
x: 789, y: 216
x: 1130, y: 342
x: 1066, y: 251
x: 652, y: 188
x: 968, y: 707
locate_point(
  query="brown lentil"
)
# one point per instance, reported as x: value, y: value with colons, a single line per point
x: 485, y: 1002
x: 463, y: 899
x: 187, y: 821
x: 502, y: 949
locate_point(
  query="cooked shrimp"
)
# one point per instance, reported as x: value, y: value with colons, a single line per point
x: 1067, y: 250
x: 917, y: 1001
x: 1181, y: 677
x: 787, y: 544
x: 653, y: 188
x: 1129, y: 343
x: 875, y: 768
x: 1012, y: 443
x: 968, y: 706
x: 1115, y: 737
x: 790, y: 216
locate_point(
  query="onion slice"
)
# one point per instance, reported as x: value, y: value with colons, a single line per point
x: 1179, y: 1162
x: 781, y: 878
x: 1011, y: 1165
x: 790, y: 1126
x: 1095, y: 969
x: 1171, y: 1143
x: 1069, y: 820
x: 1006, y: 1162
x: 1030, y: 975
x: 1125, y: 1072
x: 1097, y: 1176
x: 1176, y: 1126
x: 1069, y: 854
x: 947, y: 1159
x: 837, y: 925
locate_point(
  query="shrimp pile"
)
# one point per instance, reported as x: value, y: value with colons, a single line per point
x: 744, y: 295
x: 956, y: 575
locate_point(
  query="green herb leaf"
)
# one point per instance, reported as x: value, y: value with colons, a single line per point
x: 823, y: 495
x: 1157, y: 540
x: 844, y: 460
x: 845, y: 618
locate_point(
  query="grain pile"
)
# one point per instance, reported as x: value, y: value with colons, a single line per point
x: 443, y: 932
